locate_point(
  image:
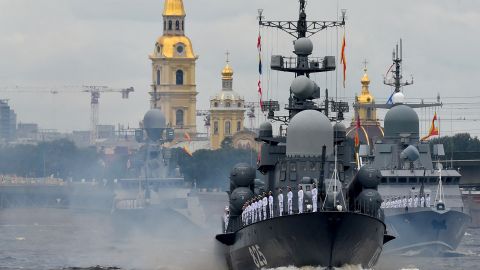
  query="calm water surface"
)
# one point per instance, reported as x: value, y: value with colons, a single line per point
x: 59, y: 239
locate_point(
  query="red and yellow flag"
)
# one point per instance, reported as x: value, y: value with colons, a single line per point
x: 344, y: 60
x: 357, y: 127
x: 433, y: 129
x: 187, y: 151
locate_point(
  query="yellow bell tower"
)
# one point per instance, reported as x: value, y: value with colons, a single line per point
x: 173, y: 72
x: 227, y: 110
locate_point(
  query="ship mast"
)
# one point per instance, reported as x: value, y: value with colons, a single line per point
x: 397, y: 73
x: 302, y: 64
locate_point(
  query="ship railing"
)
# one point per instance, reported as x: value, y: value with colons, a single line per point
x: 236, y: 223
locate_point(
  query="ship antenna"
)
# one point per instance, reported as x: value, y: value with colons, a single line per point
x: 301, y: 64
x: 397, y: 58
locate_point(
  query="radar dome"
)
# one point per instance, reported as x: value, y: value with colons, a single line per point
x: 302, y: 87
x: 242, y: 175
x: 303, y: 46
x: 369, y: 177
x: 238, y: 198
x: 369, y: 200
x: 411, y: 153
x: 265, y: 130
x: 307, y: 133
x: 154, y: 124
x: 398, y: 98
x: 401, y: 119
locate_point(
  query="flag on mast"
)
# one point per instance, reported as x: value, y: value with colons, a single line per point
x: 357, y: 127
x: 433, y: 129
x: 344, y: 59
x: 259, y: 47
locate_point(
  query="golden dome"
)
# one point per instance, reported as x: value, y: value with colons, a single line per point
x: 173, y: 8
x: 227, y: 72
x: 365, y: 96
x: 168, y: 45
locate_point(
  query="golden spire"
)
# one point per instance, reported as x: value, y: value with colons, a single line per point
x: 365, y: 96
x: 173, y: 8
x: 227, y: 72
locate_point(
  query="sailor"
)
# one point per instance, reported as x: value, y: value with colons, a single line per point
x: 415, y: 201
x: 264, y: 205
x: 300, y: 199
x: 422, y: 201
x: 382, y: 205
x: 314, y: 197
x: 290, y: 201
x: 339, y: 207
x: 404, y: 202
x: 270, y: 203
x: 225, y: 218
x: 243, y: 215
x: 410, y: 201
x: 247, y: 213
x: 260, y: 206
x: 427, y: 200
x: 254, y: 210
x: 280, y: 201
x: 387, y: 203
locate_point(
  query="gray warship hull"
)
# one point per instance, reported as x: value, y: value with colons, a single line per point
x: 425, y: 231
x: 326, y: 239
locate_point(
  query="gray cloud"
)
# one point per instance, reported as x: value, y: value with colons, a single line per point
x: 74, y: 42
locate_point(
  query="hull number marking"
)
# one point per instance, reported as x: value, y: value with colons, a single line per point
x: 258, y: 258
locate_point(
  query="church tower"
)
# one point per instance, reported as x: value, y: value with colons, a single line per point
x: 173, y: 72
x: 227, y: 111
x: 370, y: 129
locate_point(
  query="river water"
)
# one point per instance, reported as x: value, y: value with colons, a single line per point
x: 66, y: 239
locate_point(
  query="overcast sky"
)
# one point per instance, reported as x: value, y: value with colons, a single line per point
x: 106, y: 42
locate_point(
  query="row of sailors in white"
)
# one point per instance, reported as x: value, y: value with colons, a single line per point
x: 253, y: 209
x: 397, y: 202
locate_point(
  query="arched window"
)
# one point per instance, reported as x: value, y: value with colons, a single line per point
x: 177, y: 25
x: 239, y: 104
x: 164, y: 25
x: 239, y: 126
x: 158, y: 76
x: 179, y: 117
x: 169, y: 25
x: 179, y: 77
x: 227, y: 104
x: 183, y: 25
x: 215, y: 104
x: 215, y: 128
x: 227, y: 128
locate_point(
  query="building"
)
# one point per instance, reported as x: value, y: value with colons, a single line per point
x: 8, y: 122
x: 27, y: 131
x: 173, y: 72
x: 227, y: 111
x: 370, y: 129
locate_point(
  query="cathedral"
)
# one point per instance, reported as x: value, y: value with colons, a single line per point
x: 227, y: 111
x: 173, y: 88
x: 370, y: 129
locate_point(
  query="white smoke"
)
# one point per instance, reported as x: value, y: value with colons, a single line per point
x: 346, y: 267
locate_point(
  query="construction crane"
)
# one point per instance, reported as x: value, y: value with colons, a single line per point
x: 94, y: 91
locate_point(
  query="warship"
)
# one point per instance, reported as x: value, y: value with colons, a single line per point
x: 160, y: 190
x: 340, y: 222
x: 422, y: 201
